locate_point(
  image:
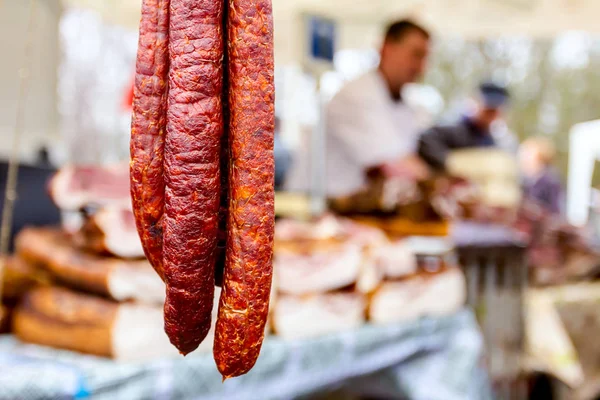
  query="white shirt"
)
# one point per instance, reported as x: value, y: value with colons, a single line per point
x: 365, y: 128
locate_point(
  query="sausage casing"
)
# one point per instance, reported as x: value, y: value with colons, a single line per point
x: 148, y: 128
x: 244, y: 302
x: 192, y: 168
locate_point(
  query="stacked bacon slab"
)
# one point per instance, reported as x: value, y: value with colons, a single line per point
x: 202, y: 168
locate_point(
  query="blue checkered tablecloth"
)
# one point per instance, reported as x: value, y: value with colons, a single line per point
x: 427, y: 359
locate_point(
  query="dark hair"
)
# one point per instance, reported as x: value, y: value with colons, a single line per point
x: 396, y: 31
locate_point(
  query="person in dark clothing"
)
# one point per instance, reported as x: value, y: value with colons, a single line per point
x: 541, y: 182
x: 471, y: 131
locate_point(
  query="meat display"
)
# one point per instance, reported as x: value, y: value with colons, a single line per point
x: 424, y: 294
x: 244, y: 304
x: 202, y: 168
x: 396, y: 259
x: 51, y: 251
x: 111, y: 231
x: 322, y: 266
x: 97, y: 210
x: 69, y: 320
x: 192, y: 168
x: 336, y: 253
x: 303, y: 317
x: 5, y: 319
x: 470, y: 191
x: 66, y: 320
x: 148, y: 128
x: 325, y: 228
x: 19, y: 277
x: 76, y: 187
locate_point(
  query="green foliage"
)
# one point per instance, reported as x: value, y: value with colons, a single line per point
x: 554, y: 83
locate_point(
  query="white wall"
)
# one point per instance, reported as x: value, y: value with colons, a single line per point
x: 41, y: 118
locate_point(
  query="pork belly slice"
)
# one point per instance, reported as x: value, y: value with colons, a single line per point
x: 422, y: 295
x: 296, y: 317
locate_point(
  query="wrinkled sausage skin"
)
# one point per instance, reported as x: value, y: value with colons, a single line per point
x: 148, y: 128
x: 192, y: 168
x: 244, y: 302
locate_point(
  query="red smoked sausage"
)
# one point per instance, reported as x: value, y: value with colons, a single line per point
x: 244, y: 301
x: 192, y: 168
x: 148, y: 128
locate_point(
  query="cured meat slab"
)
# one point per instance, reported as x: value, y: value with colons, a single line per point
x: 20, y: 276
x: 111, y: 231
x: 74, y: 321
x: 52, y: 251
x: 422, y: 295
x: 295, y: 317
x: 308, y: 268
x: 75, y: 187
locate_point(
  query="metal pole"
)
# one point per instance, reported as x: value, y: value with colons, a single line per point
x: 318, y: 159
x: 13, y: 166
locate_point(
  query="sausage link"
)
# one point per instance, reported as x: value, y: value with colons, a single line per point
x: 244, y: 302
x: 148, y: 128
x: 192, y: 170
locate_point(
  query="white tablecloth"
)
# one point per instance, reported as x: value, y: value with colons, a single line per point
x: 427, y: 359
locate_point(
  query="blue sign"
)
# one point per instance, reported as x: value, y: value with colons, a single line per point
x: 322, y: 38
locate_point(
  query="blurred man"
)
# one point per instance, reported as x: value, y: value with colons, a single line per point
x: 472, y: 130
x: 369, y: 127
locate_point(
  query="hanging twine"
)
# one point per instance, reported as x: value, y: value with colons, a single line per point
x: 13, y: 166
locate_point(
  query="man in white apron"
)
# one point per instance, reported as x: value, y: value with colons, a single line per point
x: 369, y: 126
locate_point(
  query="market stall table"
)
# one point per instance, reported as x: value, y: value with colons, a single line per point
x: 429, y: 358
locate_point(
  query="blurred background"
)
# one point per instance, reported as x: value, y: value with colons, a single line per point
x: 462, y: 263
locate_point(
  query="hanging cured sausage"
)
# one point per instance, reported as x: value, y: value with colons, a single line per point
x: 148, y: 128
x: 202, y: 168
x: 192, y: 168
x: 244, y: 300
